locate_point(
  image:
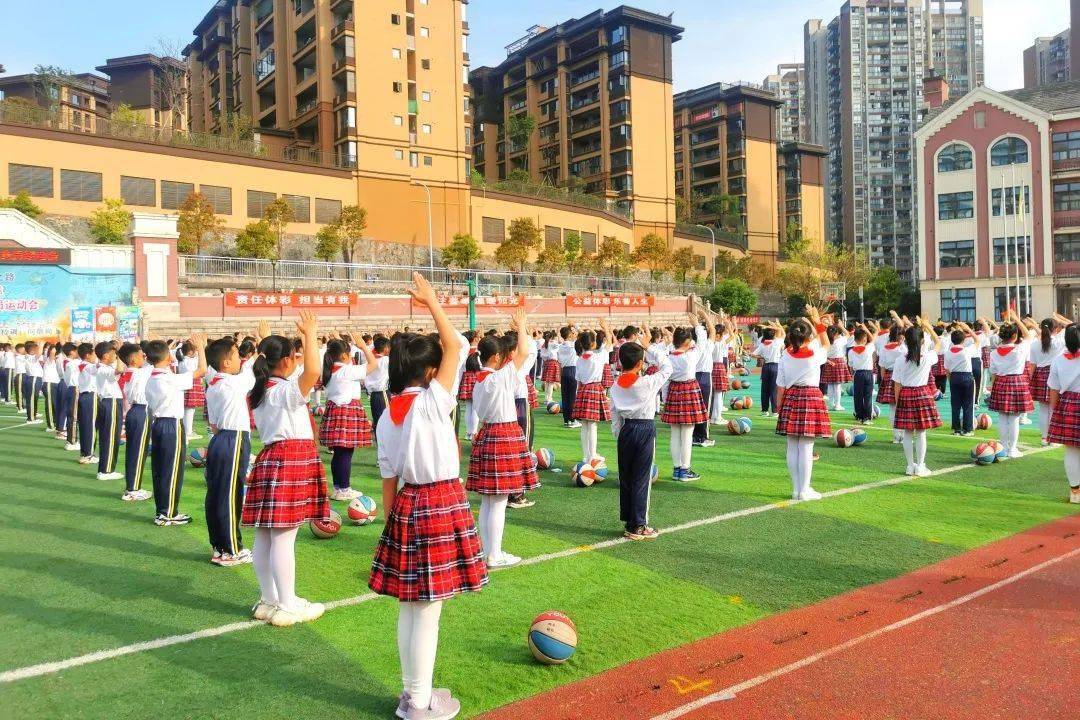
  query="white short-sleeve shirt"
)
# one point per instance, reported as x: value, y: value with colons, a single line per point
x: 1009, y: 359
x: 165, y: 393
x: 344, y: 385
x: 227, y: 399
x: 801, y: 367
x: 283, y: 413
x: 418, y: 445
x: 1065, y: 373
x: 494, y: 393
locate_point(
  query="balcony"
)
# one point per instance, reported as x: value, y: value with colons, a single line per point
x: 348, y: 61
x: 1066, y: 219
x: 580, y: 103
x: 342, y: 98
x: 1068, y: 165
x: 345, y: 26
x: 584, y: 77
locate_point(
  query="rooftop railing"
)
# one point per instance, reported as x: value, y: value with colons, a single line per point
x: 553, y: 194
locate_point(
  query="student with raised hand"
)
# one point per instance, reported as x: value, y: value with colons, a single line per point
x: 1047, y: 342
x: 1010, y: 394
x: 768, y: 351
x: 1064, y: 401
x: 862, y: 358
x: 960, y: 358
x: 683, y: 405
x: 916, y: 411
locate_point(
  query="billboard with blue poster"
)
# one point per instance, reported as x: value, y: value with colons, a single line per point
x: 43, y: 301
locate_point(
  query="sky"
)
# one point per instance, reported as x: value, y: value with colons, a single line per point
x: 725, y: 40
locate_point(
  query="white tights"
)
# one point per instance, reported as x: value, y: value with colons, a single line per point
x: 492, y: 523
x: 588, y: 440
x: 681, y: 438
x: 800, y: 462
x: 915, y: 447
x: 718, y: 408
x: 898, y: 435
x: 275, y: 565
x: 1009, y: 430
x: 418, y: 641
x: 189, y: 420
x: 471, y: 419
x: 834, y: 395
x: 549, y: 389
x: 1072, y: 465
x: 1044, y: 419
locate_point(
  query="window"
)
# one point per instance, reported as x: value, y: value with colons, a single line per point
x: 1009, y: 151
x: 395, y: 19
x: 493, y: 230
x: 1067, y: 196
x: 958, y: 253
x: 954, y: 206
x: 425, y: 64
x: 425, y: 128
x: 399, y: 154
x: 616, y: 35
x: 980, y: 119
x: 1013, y: 248
x: 414, y: 159
x: 619, y: 59
x: 958, y: 305
x: 31, y: 179
x: 1012, y: 195
x: 1067, y: 248
x: 327, y: 211
x: 954, y: 157
x: 1066, y: 146
x: 398, y: 120
x: 395, y: 53
x: 588, y: 242
x: 699, y: 262
x: 1020, y: 300
x: 552, y: 235
x: 397, y: 87
x: 425, y: 96
x: 173, y: 194
x: 424, y: 32
x: 427, y: 160
x: 137, y: 191
x: 220, y: 198
x: 257, y: 202
x: 301, y: 207
x: 80, y: 185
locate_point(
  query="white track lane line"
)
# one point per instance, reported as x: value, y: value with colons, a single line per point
x: 12, y: 427
x: 730, y: 692
x: 49, y: 668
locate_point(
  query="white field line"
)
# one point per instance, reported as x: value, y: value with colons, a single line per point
x: 49, y: 668
x: 730, y: 692
x: 12, y: 427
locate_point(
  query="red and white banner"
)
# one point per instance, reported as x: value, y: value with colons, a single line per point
x: 486, y: 301
x: 609, y: 301
x: 746, y: 319
x: 294, y: 299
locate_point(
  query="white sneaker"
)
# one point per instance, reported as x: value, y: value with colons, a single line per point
x: 301, y: 611
x: 243, y: 557
x: 263, y: 611
x: 136, y: 495
x: 922, y: 471
x: 910, y: 470
x: 194, y: 436
x: 86, y: 460
x: 94, y: 458
x: 71, y: 446
x: 503, y: 560
x: 810, y: 494
x: 1015, y: 453
x: 34, y: 422
x: 344, y: 494
x: 110, y: 476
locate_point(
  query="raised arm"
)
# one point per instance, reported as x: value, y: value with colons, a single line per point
x: 425, y: 295
x: 308, y: 327
x: 519, y: 322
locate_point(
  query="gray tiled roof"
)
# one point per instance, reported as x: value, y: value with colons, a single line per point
x: 1057, y: 97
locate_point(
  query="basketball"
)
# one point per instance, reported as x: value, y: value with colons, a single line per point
x: 984, y: 422
x: 554, y: 408
x: 362, y: 510
x: 999, y: 450
x: 197, y: 457
x: 735, y: 404
x: 320, y: 411
x: 744, y: 371
x: 584, y: 475
x: 876, y: 411
x: 984, y: 454
x: 844, y: 438
x: 736, y: 384
x: 655, y: 474
x: 745, y: 426
x: 545, y: 459
x: 858, y: 437
x: 552, y: 638
x: 733, y: 427
x: 326, y: 527
x: 747, y: 402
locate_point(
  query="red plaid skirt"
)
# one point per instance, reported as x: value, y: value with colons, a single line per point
x: 731, y: 356
x: 836, y: 372
x: 591, y: 403
x: 287, y: 486
x: 939, y: 367
x: 683, y: 404
x: 885, y: 394
x: 916, y: 409
x: 652, y: 369
x: 501, y: 463
x: 530, y: 391
x: 429, y: 549
x: 803, y: 413
x: 468, y: 382
x: 607, y: 379
x: 1065, y: 420
x: 986, y: 356
x: 196, y: 396
x: 931, y: 384
x: 1010, y: 394
x: 345, y: 426
x: 552, y: 372
x: 1039, y: 391
x: 720, y: 380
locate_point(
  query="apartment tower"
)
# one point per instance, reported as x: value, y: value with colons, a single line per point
x: 788, y: 83
x: 1048, y: 60
x: 955, y: 43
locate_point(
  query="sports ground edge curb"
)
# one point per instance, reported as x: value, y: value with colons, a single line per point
x: 678, y: 677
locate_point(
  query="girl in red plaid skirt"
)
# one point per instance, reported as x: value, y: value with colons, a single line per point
x: 1047, y: 345
x: 836, y: 371
x: 345, y: 425
x: 287, y: 486
x: 1064, y: 384
x: 916, y: 411
x: 1010, y: 394
x: 802, y: 416
x: 501, y: 464
x: 551, y: 373
x: 683, y: 405
x: 890, y: 351
x: 591, y: 404
x: 187, y: 361
x: 429, y: 550
x: 721, y: 380
x: 468, y: 383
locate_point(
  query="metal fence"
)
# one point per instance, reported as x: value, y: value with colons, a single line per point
x: 208, y: 271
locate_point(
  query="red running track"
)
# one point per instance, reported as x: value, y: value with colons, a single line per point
x: 993, y: 633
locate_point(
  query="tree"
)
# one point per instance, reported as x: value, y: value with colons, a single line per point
x: 278, y: 215
x: 256, y: 241
x: 653, y: 251
x: 734, y: 297
x: 552, y: 257
x: 520, y: 176
x: 683, y: 210
x: 572, y: 249
x: 612, y: 256
x: 197, y: 220
x: 23, y: 110
x: 236, y: 126
x: 519, y: 130
x: 521, y: 238
x: 47, y: 81
x: 728, y: 208
x: 109, y: 224
x: 476, y: 178
x: 328, y: 242
x: 795, y: 241
x: 463, y: 252
x: 124, y: 119
x: 352, y: 222
x: 23, y: 204
x: 884, y: 290
x: 171, y: 80
x: 682, y: 262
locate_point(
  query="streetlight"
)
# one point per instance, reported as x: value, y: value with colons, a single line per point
x: 712, y: 234
x: 430, y: 230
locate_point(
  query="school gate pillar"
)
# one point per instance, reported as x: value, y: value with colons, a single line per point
x: 157, y: 266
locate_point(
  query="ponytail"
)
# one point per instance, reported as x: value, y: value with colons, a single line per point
x: 1046, y: 329
x: 334, y: 350
x: 1072, y: 338
x: 913, y: 339
x: 799, y: 333
x: 411, y: 355
x: 272, y: 351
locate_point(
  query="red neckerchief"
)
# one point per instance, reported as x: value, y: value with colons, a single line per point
x: 956, y: 348
x: 400, y: 405
x: 882, y: 332
x: 481, y: 375
x: 83, y: 366
x: 337, y: 366
x: 766, y: 342
x: 627, y: 379
x: 1004, y: 350
x: 217, y: 378
x: 158, y: 371
x: 802, y: 353
x: 1072, y: 356
x: 892, y: 345
x: 586, y: 355
x: 860, y: 349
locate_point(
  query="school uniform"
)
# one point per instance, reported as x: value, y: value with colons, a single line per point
x: 32, y: 378
x: 803, y: 413
x: 110, y: 416
x: 721, y: 378
x: 525, y: 399
x: 566, y: 355
x: 769, y: 351
x: 50, y: 391
x: 196, y: 396
x: 1065, y: 379
x: 287, y: 486
x: 940, y: 374
x: 683, y: 404
x: 20, y: 371
x: 168, y: 439
x: 880, y: 340
x: 1043, y: 359
x: 345, y: 424
x: 227, y: 456
x: 959, y: 361
x: 7, y: 363
x: 1011, y: 392
x: 916, y: 409
x: 377, y: 381
x: 887, y: 357
x: 703, y: 375
x: 552, y: 371
x: 430, y: 548
x: 136, y: 425
x: 86, y: 414
x: 70, y: 405
x: 501, y: 463
x: 633, y: 424
x: 862, y: 359
x: 590, y: 401
x: 836, y: 370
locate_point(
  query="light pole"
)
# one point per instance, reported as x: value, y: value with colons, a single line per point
x: 430, y: 230
x: 712, y: 234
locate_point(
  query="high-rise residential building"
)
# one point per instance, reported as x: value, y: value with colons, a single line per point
x: 156, y: 88
x: 865, y: 71
x: 79, y: 101
x: 1048, y: 60
x: 788, y: 84
x: 801, y: 191
x: 597, y: 90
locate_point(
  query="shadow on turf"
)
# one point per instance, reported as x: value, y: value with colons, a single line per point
x: 86, y: 536
x: 37, y: 505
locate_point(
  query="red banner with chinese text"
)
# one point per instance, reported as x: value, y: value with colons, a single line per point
x: 581, y: 302
x: 294, y: 299
x: 486, y: 301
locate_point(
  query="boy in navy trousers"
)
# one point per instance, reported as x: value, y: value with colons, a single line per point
x: 165, y: 403
x: 31, y: 384
x: 861, y: 358
x: 69, y: 403
x: 110, y: 413
x: 86, y: 406
x: 633, y: 422
x: 136, y: 421
x: 566, y: 354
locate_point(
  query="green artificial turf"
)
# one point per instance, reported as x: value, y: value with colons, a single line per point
x: 81, y: 571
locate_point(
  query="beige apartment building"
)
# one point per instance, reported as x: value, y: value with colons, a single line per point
x: 78, y: 101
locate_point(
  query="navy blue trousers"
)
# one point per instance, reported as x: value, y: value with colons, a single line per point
x: 977, y: 374
x: 17, y: 385
x: 863, y: 394
x: 704, y: 381
x: 168, y: 448
x: 769, y: 372
x: 137, y: 430
x: 110, y: 416
x: 71, y: 409
x: 50, y: 395
x: 637, y: 452
x: 61, y: 411
x: 31, y: 389
x: 87, y: 419
x: 569, y: 392
x: 525, y: 420
x: 379, y: 399
x: 962, y: 399
x: 5, y: 384
x: 226, y: 470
